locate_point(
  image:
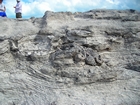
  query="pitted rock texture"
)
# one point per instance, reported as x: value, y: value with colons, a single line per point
x: 71, y: 54
x: 64, y: 58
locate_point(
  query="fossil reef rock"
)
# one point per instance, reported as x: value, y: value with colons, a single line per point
x: 64, y: 58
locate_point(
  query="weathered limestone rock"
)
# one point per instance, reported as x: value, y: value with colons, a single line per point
x: 4, y: 46
x: 65, y: 58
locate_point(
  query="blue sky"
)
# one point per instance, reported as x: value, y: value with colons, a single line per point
x: 37, y: 8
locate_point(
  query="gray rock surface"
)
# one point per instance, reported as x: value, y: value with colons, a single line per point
x: 64, y: 58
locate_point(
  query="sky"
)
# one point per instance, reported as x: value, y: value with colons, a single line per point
x: 37, y: 8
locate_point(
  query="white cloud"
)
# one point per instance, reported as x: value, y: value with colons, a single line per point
x: 116, y: 2
x: 35, y: 8
x: 110, y: 1
x: 76, y: 2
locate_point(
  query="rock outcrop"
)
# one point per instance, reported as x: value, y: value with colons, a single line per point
x: 64, y: 58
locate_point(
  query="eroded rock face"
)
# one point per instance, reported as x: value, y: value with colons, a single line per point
x: 64, y: 58
x: 71, y: 53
